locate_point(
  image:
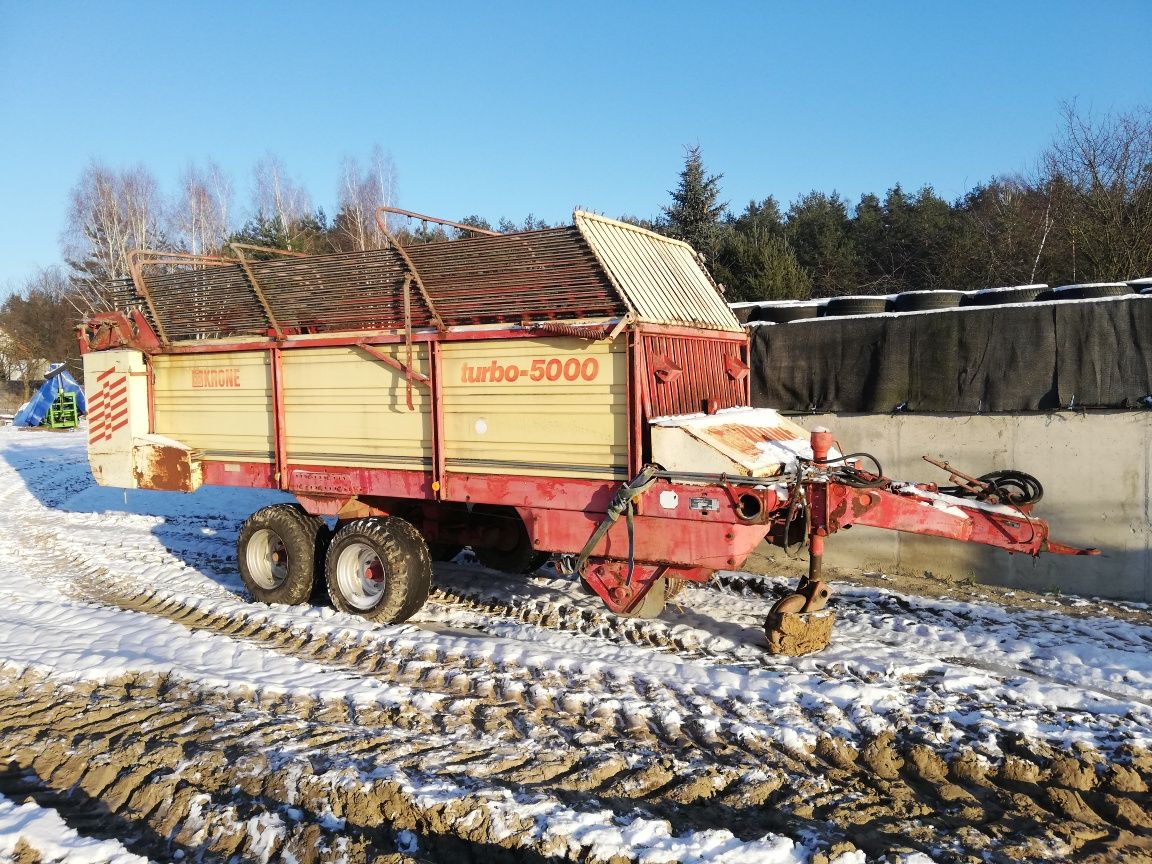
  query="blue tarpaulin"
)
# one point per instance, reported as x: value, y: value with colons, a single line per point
x: 33, y: 412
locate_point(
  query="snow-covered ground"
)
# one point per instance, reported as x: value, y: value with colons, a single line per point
x: 139, y: 686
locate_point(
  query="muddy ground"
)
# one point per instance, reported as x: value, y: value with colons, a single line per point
x: 145, y: 700
x: 174, y: 770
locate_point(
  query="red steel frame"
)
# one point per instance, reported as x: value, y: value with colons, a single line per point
x: 561, y: 514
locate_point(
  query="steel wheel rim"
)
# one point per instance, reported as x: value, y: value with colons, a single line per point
x: 360, y: 576
x: 267, y: 559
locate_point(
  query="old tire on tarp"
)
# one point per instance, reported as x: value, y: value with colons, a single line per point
x: 742, y: 313
x: 924, y: 301
x: 379, y: 568
x: 784, y: 314
x: 1000, y: 296
x: 857, y: 306
x: 1090, y: 292
x: 280, y: 552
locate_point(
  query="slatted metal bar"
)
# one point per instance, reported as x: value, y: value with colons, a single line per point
x: 543, y: 275
x: 703, y: 378
x: 596, y: 269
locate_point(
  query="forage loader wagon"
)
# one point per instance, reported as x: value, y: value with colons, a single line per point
x: 579, y: 392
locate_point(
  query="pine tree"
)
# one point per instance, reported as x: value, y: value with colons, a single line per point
x: 694, y: 216
x: 818, y: 230
x: 758, y: 265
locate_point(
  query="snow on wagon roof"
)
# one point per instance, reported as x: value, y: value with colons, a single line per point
x: 596, y: 269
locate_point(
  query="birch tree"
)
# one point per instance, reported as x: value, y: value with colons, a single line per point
x: 111, y: 213
x: 362, y: 190
x: 200, y: 219
x: 277, y: 199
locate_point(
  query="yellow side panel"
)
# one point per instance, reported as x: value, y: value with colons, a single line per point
x: 345, y: 407
x: 545, y: 407
x: 220, y: 404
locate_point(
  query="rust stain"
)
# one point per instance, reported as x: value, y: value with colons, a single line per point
x: 163, y: 468
x: 321, y: 483
x: 744, y: 439
x: 863, y: 502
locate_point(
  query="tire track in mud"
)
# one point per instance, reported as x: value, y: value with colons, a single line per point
x: 579, y: 620
x: 1076, y: 802
x: 593, y: 707
x: 165, y: 766
x: 687, y: 643
x: 528, y: 709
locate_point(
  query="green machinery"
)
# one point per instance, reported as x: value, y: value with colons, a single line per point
x: 63, y: 414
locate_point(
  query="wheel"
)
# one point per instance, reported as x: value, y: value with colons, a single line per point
x: 653, y: 603
x: 999, y: 296
x: 379, y: 568
x: 516, y: 557
x: 280, y: 552
x: 923, y: 301
x: 785, y: 312
x: 857, y: 306
x: 1090, y: 291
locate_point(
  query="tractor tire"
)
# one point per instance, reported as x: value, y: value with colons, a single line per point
x: 742, y: 313
x: 379, y: 568
x: 516, y: 559
x: 280, y: 551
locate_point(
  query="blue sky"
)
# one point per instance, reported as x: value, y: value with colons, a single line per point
x: 506, y: 109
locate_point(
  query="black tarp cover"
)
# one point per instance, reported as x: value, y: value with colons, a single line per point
x: 1027, y: 357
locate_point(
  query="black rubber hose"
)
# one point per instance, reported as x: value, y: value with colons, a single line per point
x: 1012, y: 487
x: 852, y: 476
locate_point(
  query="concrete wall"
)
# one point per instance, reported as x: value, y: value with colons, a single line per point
x: 1096, y: 468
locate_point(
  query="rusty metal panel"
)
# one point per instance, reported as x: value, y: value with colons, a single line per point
x: 691, y: 374
x: 514, y: 278
x: 597, y: 269
x: 661, y: 279
x: 755, y: 442
x: 164, y: 464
